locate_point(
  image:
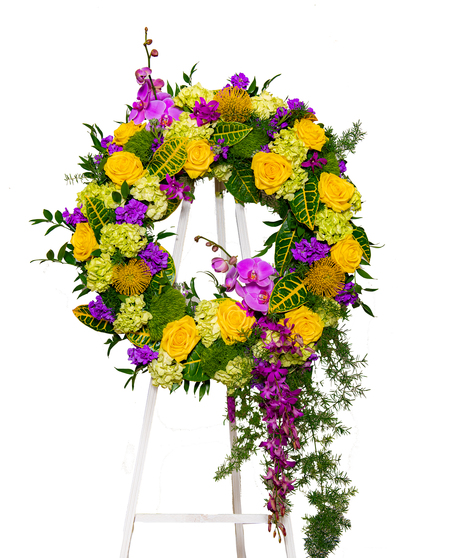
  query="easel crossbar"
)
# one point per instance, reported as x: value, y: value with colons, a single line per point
x: 244, y: 518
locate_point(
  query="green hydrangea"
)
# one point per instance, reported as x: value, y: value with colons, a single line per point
x: 128, y: 238
x: 101, y: 192
x: 207, y: 321
x: 265, y: 105
x: 329, y: 311
x: 147, y: 189
x: 296, y: 182
x: 186, y: 127
x: 237, y: 373
x: 165, y: 371
x: 99, y: 273
x: 356, y: 201
x: 289, y: 145
x: 132, y: 315
x: 221, y: 172
x: 333, y: 226
x: 189, y: 95
x: 287, y: 359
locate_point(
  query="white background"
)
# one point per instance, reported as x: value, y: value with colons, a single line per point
x: 69, y: 430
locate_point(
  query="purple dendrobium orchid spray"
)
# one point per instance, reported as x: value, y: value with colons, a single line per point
x: 241, y: 81
x: 205, y: 112
x: 174, y: 189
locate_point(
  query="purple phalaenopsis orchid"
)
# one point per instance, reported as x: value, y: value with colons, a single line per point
x: 148, y: 108
x: 255, y: 270
x: 133, y: 212
x: 347, y: 295
x: 154, y: 257
x: 99, y: 311
x: 256, y: 297
x: 220, y: 265
x: 231, y: 279
x: 314, y: 161
x: 75, y: 217
x: 142, y: 74
x: 174, y: 189
x: 205, y: 112
x: 241, y: 81
x: 142, y: 355
x: 309, y: 252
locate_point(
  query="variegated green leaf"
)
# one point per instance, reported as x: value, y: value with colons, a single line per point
x: 242, y: 185
x: 98, y: 215
x: 305, y: 203
x: 192, y: 367
x: 141, y: 338
x: 361, y: 237
x: 284, y: 242
x: 288, y: 294
x: 172, y: 206
x: 231, y: 132
x: 83, y: 314
x: 169, y: 158
x: 170, y: 270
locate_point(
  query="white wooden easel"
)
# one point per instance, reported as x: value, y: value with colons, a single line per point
x: 237, y: 517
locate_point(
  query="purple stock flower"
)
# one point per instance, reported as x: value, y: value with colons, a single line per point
x: 142, y: 355
x: 205, y: 113
x: 175, y: 189
x: 75, y: 217
x: 240, y: 81
x: 133, y: 212
x: 310, y: 252
x: 154, y: 257
x: 342, y: 166
x: 157, y: 142
x: 220, y: 149
x: 265, y: 148
x: 295, y: 104
x: 99, y: 311
x: 347, y: 295
x: 106, y: 142
x: 113, y: 148
x: 98, y: 159
x: 315, y: 162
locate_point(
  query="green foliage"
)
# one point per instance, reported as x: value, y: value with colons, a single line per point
x: 306, y: 201
x: 332, y: 165
x: 141, y: 145
x: 285, y: 241
x: 348, y: 140
x: 242, y: 184
x: 288, y: 294
x: 360, y: 236
x: 83, y: 314
x: 98, y: 215
x: 169, y: 158
x: 111, y: 299
x: 231, y: 132
x: 250, y: 144
x: 217, y: 357
x: 168, y: 307
x: 193, y: 367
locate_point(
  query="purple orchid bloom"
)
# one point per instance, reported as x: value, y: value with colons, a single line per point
x: 151, y: 108
x: 255, y: 270
x: 220, y: 265
x: 175, y: 189
x: 205, y: 113
x: 241, y: 81
x: 142, y: 74
x: 255, y: 296
x: 231, y: 279
x: 315, y: 162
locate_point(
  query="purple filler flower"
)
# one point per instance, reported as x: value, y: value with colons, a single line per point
x: 99, y: 311
x: 133, y: 212
x: 314, y: 161
x: 309, y: 252
x: 342, y: 166
x: 113, y: 148
x: 75, y: 217
x: 231, y: 409
x: 154, y: 257
x: 295, y: 104
x: 141, y: 355
x: 240, y: 80
x: 106, y: 142
x: 175, y: 189
x: 347, y: 295
x: 204, y: 112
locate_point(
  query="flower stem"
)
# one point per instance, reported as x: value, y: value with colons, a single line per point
x: 197, y: 238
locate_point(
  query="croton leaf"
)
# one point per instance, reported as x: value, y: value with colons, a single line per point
x: 192, y: 368
x: 170, y: 270
x: 231, y: 132
x: 288, y: 294
x: 242, y: 185
x: 361, y: 237
x: 169, y: 158
x: 83, y: 314
x: 284, y: 242
x: 141, y: 338
x: 172, y: 206
x: 305, y: 203
x: 98, y: 215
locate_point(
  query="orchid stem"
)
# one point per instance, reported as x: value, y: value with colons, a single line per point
x: 197, y: 238
x: 148, y: 61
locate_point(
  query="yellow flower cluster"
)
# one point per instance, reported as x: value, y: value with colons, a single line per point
x: 199, y: 158
x: 147, y: 188
x: 84, y: 242
x: 180, y: 337
x: 124, y: 166
x: 234, y: 322
x: 348, y: 254
x: 125, y: 131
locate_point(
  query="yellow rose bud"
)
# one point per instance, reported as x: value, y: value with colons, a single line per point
x: 233, y: 321
x: 311, y: 134
x: 335, y: 192
x: 84, y: 242
x: 179, y: 338
x: 126, y: 131
x: 347, y: 253
x: 306, y: 323
x: 199, y: 158
x: 124, y: 166
x: 270, y: 170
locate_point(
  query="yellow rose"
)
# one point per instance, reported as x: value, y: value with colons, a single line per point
x: 306, y: 323
x: 199, y: 158
x: 126, y: 131
x: 335, y: 192
x: 311, y: 134
x: 270, y: 170
x: 179, y: 338
x: 84, y: 242
x: 233, y: 321
x: 122, y: 166
x: 347, y: 253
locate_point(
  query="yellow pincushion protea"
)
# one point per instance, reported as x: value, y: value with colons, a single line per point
x: 234, y: 104
x: 132, y: 278
x: 325, y: 278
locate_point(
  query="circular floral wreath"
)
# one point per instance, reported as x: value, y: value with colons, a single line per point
x: 263, y: 345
